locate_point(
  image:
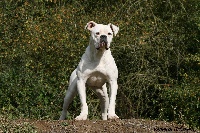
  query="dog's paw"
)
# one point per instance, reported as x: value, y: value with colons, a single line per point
x: 112, y: 116
x: 81, y: 117
x: 104, y: 118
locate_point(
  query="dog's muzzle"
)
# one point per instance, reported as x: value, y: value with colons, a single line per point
x: 103, y: 42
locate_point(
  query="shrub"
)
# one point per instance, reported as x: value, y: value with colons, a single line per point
x: 181, y: 104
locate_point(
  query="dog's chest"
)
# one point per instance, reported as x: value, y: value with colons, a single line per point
x: 95, y: 73
x: 91, y: 66
x: 98, y: 66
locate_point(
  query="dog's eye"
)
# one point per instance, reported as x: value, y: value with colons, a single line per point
x: 97, y: 33
x: 109, y: 33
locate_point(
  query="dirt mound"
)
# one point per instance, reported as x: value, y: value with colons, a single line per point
x: 110, y: 126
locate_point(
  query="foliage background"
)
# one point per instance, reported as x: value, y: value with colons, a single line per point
x: 157, y: 53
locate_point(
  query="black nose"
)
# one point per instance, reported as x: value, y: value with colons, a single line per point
x: 103, y: 37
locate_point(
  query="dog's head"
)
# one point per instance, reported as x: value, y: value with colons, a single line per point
x: 102, y: 34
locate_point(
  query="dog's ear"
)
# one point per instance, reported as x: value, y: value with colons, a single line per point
x: 114, y: 28
x: 90, y: 25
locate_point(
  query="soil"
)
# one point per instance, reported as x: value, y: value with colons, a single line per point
x: 109, y: 126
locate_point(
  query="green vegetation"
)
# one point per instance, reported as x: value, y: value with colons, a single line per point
x: 157, y: 53
x: 9, y: 126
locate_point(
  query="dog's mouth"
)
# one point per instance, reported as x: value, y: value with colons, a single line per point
x: 103, y: 44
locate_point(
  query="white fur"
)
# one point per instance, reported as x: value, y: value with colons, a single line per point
x: 96, y: 68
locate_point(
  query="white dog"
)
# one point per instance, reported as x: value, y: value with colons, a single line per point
x: 96, y: 68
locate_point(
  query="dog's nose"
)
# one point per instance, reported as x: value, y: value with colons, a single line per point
x: 103, y: 37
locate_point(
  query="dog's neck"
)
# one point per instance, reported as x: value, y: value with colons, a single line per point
x: 96, y: 55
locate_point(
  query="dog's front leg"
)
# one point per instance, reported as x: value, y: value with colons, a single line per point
x: 113, y: 93
x: 82, y: 94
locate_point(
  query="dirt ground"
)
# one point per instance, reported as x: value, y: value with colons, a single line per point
x: 110, y: 126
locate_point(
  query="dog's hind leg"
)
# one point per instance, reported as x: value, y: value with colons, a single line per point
x: 71, y: 92
x: 103, y: 96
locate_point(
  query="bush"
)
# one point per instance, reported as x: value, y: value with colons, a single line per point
x: 181, y: 104
x: 10, y: 126
x: 156, y: 51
